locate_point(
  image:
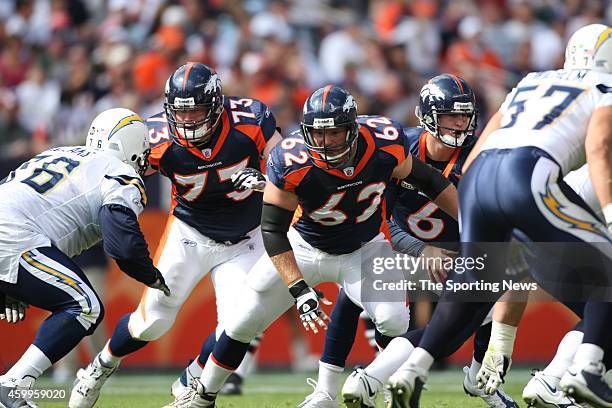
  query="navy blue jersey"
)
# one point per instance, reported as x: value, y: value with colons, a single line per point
x: 341, y: 209
x: 202, y: 192
x: 413, y: 211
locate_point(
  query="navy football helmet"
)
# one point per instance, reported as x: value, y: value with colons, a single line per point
x: 330, y: 107
x: 447, y: 95
x: 194, y: 104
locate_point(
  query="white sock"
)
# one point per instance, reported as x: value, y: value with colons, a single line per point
x: 194, y: 368
x: 107, y: 358
x: 390, y: 359
x: 329, y: 377
x: 419, y: 358
x: 31, y: 364
x: 474, y: 368
x: 565, y: 354
x: 588, y: 353
x: 502, y: 338
x: 245, y: 367
x: 214, y: 376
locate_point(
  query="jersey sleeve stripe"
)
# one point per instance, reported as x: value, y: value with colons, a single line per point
x: 254, y: 133
x: 157, y: 153
x: 293, y: 179
x: 126, y: 180
x: 396, y: 151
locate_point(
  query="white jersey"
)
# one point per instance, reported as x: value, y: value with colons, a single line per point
x: 55, y: 199
x: 580, y: 181
x: 551, y: 110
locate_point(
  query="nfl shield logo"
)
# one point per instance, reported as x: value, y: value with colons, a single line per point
x: 349, y: 171
x: 207, y: 153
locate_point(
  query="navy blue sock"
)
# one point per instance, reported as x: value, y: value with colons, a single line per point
x: 59, y: 333
x: 382, y: 340
x: 481, y: 341
x: 228, y: 353
x: 122, y: 343
x: 341, y: 331
x: 597, y: 317
x: 451, y: 325
x: 414, y: 336
x: 207, y: 348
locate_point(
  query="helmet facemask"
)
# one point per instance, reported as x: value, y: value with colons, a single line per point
x: 450, y: 136
x: 193, y: 125
x: 317, y: 143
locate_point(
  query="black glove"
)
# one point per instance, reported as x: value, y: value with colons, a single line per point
x: 160, y: 283
x: 307, y: 304
x: 12, y: 310
x: 249, y: 178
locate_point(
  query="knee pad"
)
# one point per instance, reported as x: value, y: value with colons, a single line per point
x: 390, y: 322
x: 150, y: 328
x: 246, y: 327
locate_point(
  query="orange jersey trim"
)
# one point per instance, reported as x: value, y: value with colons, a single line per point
x: 255, y: 134
x: 396, y: 151
x: 157, y: 152
x: 225, y: 127
x: 451, y: 162
x: 371, y: 146
x: 293, y: 179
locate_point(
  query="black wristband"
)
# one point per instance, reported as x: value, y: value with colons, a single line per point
x: 299, y: 288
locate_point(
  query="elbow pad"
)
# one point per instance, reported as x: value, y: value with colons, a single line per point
x: 426, y: 179
x: 275, y: 222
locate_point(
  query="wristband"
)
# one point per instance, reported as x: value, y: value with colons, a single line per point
x: 298, y: 288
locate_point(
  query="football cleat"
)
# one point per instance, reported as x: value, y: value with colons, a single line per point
x: 499, y: 399
x: 232, y: 386
x: 89, y: 381
x: 194, y: 397
x: 587, y: 385
x: 360, y: 390
x: 318, y: 398
x: 542, y: 391
x: 406, y: 386
x: 183, y: 383
x: 12, y: 393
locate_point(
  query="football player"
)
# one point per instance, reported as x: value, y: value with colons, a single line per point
x: 53, y: 207
x: 447, y: 113
x: 547, y: 126
x: 210, y: 146
x: 337, y: 169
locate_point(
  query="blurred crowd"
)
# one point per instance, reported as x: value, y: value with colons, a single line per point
x: 64, y: 61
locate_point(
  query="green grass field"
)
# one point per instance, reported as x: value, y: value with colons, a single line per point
x: 278, y: 390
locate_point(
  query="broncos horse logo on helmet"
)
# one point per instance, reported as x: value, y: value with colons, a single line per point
x: 327, y: 109
x: 194, y: 104
x: 447, y: 95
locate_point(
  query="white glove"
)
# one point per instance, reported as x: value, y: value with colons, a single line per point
x: 12, y: 310
x: 494, y: 368
x: 249, y: 178
x: 308, y: 306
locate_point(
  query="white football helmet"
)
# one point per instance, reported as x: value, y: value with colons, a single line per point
x: 590, y: 47
x: 123, y: 134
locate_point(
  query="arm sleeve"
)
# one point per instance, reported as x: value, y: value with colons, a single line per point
x: 426, y: 179
x: 124, y: 242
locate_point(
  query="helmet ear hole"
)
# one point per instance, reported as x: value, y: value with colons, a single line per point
x: 134, y: 157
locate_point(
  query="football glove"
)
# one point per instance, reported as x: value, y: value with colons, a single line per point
x: 249, y: 178
x: 12, y: 310
x: 494, y: 368
x: 160, y: 283
x: 308, y: 306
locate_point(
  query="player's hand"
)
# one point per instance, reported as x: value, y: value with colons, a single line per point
x: 494, y: 368
x: 308, y: 306
x: 12, y: 310
x: 160, y: 283
x: 249, y: 178
x: 436, y: 259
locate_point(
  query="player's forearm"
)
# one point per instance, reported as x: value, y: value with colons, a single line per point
x: 286, y: 266
x: 447, y: 200
x: 492, y: 126
x: 599, y: 158
x: 509, y: 310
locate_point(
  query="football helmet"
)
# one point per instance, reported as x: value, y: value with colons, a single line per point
x: 330, y: 107
x: 443, y: 95
x: 122, y: 133
x: 194, y: 104
x: 590, y: 47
